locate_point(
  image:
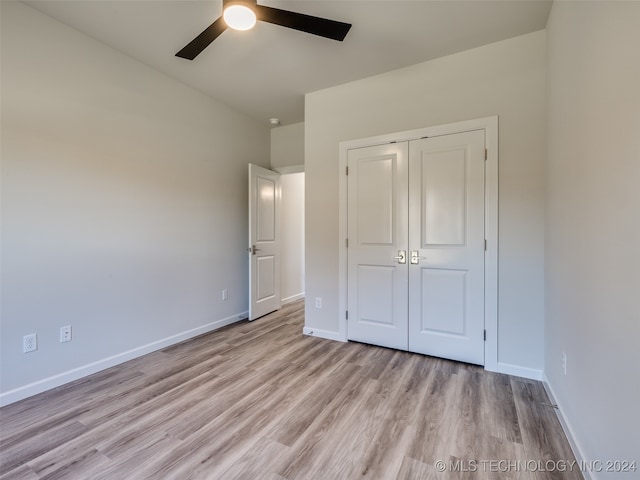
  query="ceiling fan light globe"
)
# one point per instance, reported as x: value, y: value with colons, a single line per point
x: 239, y: 17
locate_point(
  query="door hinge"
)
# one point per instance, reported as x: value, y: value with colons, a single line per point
x: 486, y: 154
x: 347, y: 170
x: 346, y: 314
x: 346, y: 242
x: 485, y: 244
x: 485, y: 335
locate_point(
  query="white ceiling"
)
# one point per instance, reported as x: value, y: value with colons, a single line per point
x: 265, y: 72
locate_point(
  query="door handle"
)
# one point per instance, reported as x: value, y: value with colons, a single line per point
x: 252, y: 249
x: 402, y: 256
x: 416, y: 257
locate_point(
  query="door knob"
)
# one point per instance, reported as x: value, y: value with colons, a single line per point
x: 402, y: 256
x: 416, y: 257
x: 252, y: 249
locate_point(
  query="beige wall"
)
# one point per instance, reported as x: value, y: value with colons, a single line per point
x: 292, y: 235
x: 593, y: 226
x: 287, y: 146
x: 287, y: 156
x: 505, y: 78
x: 124, y: 200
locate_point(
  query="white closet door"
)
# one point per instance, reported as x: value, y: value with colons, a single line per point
x: 378, y: 234
x: 446, y: 239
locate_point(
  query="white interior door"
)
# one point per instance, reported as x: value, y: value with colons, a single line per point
x: 446, y: 238
x: 422, y: 200
x: 264, y: 241
x: 378, y: 235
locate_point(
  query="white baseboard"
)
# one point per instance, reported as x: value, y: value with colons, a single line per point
x: 568, y: 431
x: 292, y: 298
x: 54, y: 381
x: 328, y: 334
x: 518, y: 371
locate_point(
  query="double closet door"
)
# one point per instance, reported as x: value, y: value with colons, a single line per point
x: 417, y: 245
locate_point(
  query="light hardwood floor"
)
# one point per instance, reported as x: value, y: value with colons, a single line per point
x: 261, y: 401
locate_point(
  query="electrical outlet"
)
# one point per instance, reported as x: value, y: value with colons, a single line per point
x: 65, y: 334
x: 225, y: 294
x: 318, y: 302
x: 564, y: 363
x: 30, y: 343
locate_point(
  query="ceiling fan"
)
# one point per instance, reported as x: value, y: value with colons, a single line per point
x: 242, y: 15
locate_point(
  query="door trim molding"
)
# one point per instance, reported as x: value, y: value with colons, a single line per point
x: 490, y: 126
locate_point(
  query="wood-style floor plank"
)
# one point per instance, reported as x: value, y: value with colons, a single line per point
x: 259, y: 400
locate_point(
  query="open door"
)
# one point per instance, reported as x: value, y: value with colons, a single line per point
x: 264, y: 241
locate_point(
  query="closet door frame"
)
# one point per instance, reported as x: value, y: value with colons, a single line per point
x: 490, y: 127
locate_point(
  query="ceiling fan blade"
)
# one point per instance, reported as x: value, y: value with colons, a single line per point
x: 202, y: 41
x: 305, y: 23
